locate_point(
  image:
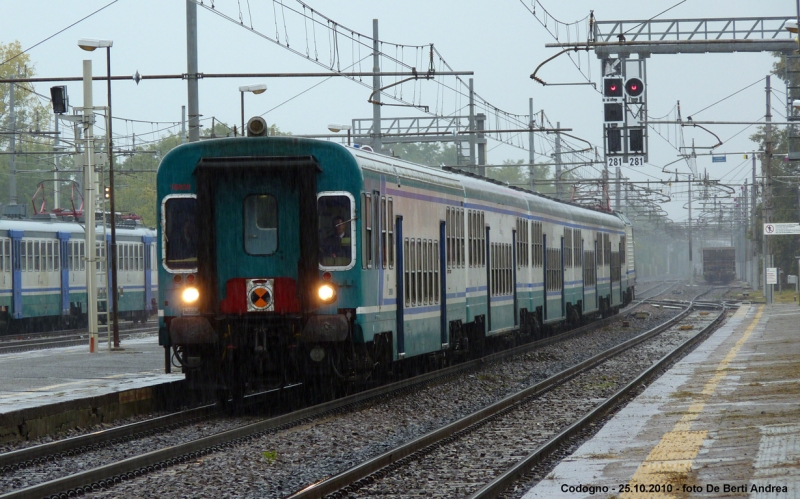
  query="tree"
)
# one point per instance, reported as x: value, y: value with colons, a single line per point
x: 517, y: 173
x: 785, y: 195
x: 425, y: 153
x: 30, y: 117
x: 135, y: 177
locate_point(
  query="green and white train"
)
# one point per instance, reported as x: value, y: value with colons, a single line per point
x: 314, y: 260
x: 43, y: 274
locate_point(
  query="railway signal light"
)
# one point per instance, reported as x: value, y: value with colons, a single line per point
x: 612, y: 87
x: 107, y: 192
x: 614, y: 139
x: 59, y: 98
x: 636, y: 140
x: 613, y: 112
x: 634, y: 87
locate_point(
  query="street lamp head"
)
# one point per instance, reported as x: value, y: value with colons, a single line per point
x: 258, y: 88
x: 333, y: 127
x: 791, y: 26
x: 89, y: 44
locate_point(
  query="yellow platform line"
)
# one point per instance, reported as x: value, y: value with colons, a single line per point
x: 671, y: 459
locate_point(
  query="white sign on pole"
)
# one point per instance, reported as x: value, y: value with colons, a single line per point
x: 772, y: 275
x: 791, y: 279
x: 781, y: 229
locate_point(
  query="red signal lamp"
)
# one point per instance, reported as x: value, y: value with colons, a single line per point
x: 634, y: 87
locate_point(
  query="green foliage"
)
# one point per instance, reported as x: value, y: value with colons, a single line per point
x: 135, y: 177
x: 31, y: 116
x: 517, y: 173
x: 425, y: 153
x: 270, y: 456
x: 785, y: 197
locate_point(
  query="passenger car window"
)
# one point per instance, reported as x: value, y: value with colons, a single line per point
x: 335, y: 230
x: 180, y: 233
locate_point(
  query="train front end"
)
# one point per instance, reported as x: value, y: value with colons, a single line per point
x: 256, y: 251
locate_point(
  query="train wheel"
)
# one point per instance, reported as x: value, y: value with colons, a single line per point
x: 536, y: 327
x: 574, y: 317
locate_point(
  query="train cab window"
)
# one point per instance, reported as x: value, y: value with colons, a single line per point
x: 180, y: 233
x: 335, y: 230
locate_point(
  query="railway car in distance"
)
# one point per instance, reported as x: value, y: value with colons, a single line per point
x: 43, y: 273
x: 719, y: 265
x: 284, y: 259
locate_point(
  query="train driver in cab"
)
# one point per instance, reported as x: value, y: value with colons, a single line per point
x: 336, y: 245
x: 182, y: 245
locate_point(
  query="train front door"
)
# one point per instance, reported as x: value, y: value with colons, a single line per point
x: 257, y: 219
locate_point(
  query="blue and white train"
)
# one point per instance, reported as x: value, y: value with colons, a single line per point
x: 43, y: 274
x: 311, y: 259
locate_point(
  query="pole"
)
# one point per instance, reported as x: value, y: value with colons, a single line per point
x: 748, y: 270
x: 183, y: 124
x: 12, y: 181
x: 191, y: 70
x: 691, y: 263
x: 472, y: 161
x: 558, y: 161
x: 89, y: 207
x: 753, y: 255
x: 480, y: 121
x: 56, y: 193
x: 531, y: 145
x: 242, y: 107
x: 376, y: 88
x: 797, y: 281
x: 111, y: 195
x: 766, y: 170
x: 618, y: 193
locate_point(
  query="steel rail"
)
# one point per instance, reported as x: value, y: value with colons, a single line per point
x: 421, y: 445
x: 97, y: 478
x: 28, y: 456
x: 497, y: 486
x: 70, y: 340
x: 61, y: 333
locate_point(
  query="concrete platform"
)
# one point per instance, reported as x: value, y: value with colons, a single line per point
x: 46, y: 391
x: 723, y: 422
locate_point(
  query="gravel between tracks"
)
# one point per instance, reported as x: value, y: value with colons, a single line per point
x: 277, y: 464
x: 460, y: 469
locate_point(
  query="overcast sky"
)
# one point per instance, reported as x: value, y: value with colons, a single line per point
x: 500, y: 40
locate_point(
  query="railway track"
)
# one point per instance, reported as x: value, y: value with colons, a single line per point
x: 479, y: 454
x: 150, y: 461
x: 655, y: 289
x: 57, y: 339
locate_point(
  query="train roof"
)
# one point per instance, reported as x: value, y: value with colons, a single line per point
x: 44, y: 226
x: 179, y: 164
x: 488, y: 189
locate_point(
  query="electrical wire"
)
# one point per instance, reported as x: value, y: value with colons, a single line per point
x: 59, y: 32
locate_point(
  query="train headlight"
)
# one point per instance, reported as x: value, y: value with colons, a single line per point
x: 190, y: 295
x: 326, y: 293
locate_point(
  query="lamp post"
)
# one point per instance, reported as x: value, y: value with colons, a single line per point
x: 90, y: 45
x: 333, y: 127
x: 258, y: 88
